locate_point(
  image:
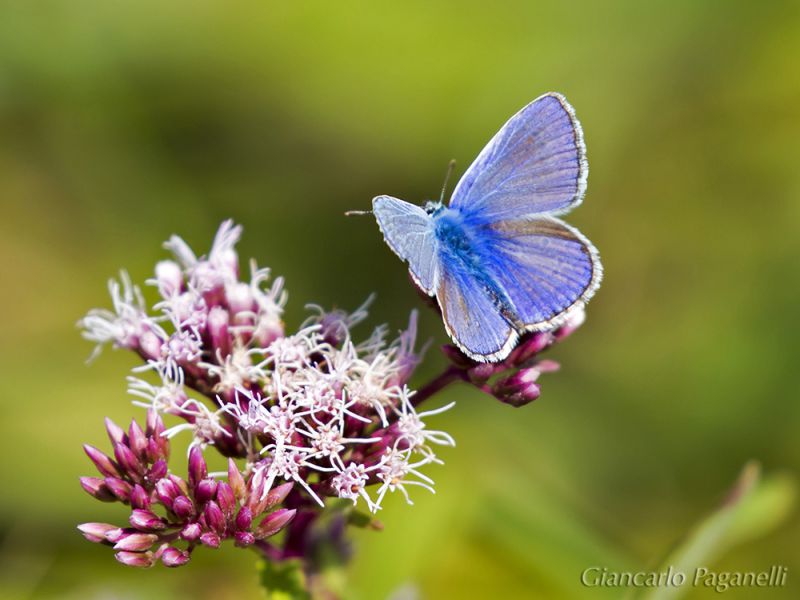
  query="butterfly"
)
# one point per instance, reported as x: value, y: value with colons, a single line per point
x: 497, y: 258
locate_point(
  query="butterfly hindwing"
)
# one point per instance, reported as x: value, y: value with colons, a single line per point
x: 535, y: 165
x: 471, y: 316
x: 409, y: 232
x: 544, y: 266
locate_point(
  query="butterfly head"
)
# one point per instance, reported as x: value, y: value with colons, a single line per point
x: 433, y: 208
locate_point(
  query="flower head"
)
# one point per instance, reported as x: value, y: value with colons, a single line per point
x: 314, y: 412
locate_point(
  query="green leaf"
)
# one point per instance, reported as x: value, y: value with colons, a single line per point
x: 284, y: 580
x: 752, y: 508
x: 362, y: 520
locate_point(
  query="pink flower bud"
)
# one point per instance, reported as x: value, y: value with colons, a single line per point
x: 135, y: 559
x: 240, y: 298
x: 96, y: 532
x: 104, y: 464
x: 127, y: 460
x: 139, y: 498
x: 115, y: 433
x: 169, y: 278
x: 236, y: 480
x: 136, y: 542
x: 530, y: 345
x: 547, y: 366
x: 574, y: 320
x: 273, y: 523
x: 146, y: 520
x: 244, y: 539
x: 277, y: 495
x: 226, y: 499
x: 121, y: 489
x: 167, y: 491
x: 173, y: 557
x: 115, y: 535
x: 518, y: 389
x: 155, y: 426
x: 244, y: 520
x: 214, y: 517
x: 157, y: 472
x: 210, y: 539
x: 98, y: 489
x: 150, y: 345
x: 180, y: 483
x: 191, y: 532
x: 218, y: 321
x: 137, y: 441
x: 183, y: 507
x: 481, y: 373
x: 197, y: 466
x: 205, y: 490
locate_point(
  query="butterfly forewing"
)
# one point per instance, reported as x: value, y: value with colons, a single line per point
x: 536, y: 164
x: 409, y: 232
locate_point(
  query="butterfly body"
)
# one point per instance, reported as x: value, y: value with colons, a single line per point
x: 462, y: 242
x: 498, y: 259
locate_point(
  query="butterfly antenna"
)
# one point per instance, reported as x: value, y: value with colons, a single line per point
x: 450, y: 167
x: 356, y: 213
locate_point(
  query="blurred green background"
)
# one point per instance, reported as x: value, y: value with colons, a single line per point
x: 123, y: 122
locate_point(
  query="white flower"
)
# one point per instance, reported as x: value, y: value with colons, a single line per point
x: 187, y: 309
x: 219, y: 268
x: 350, y: 484
x: 315, y: 408
x: 234, y: 370
x: 182, y: 346
x: 256, y: 417
x: 285, y: 462
x: 121, y: 326
x: 413, y: 429
x: 271, y: 300
x: 293, y: 351
x: 338, y: 323
x: 168, y: 279
x: 394, y: 469
x: 169, y: 396
x: 369, y: 384
x: 204, y: 424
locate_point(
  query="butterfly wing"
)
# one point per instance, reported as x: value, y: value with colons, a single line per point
x: 545, y: 267
x: 536, y: 164
x: 409, y: 232
x: 471, y: 316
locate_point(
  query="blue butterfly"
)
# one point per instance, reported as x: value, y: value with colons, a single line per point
x: 497, y: 258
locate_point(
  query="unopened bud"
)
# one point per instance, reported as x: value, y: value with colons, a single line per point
x: 274, y: 522
x: 173, y: 557
x: 518, y: 389
x: 136, y: 542
x: 98, y: 489
x: 135, y: 559
x: 146, y: 520
x: 169, y: 278
x: 96, y: 532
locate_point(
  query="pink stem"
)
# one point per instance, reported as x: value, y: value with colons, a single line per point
x: 438, y: 383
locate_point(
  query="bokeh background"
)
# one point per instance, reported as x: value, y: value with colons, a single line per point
x: 123, y: 122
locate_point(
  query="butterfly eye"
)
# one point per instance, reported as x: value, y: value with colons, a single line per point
x: 431, y: 207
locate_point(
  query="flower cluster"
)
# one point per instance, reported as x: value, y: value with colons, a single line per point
x: 198, y: 511
x: 513, y: 381
x: 311, y: 411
